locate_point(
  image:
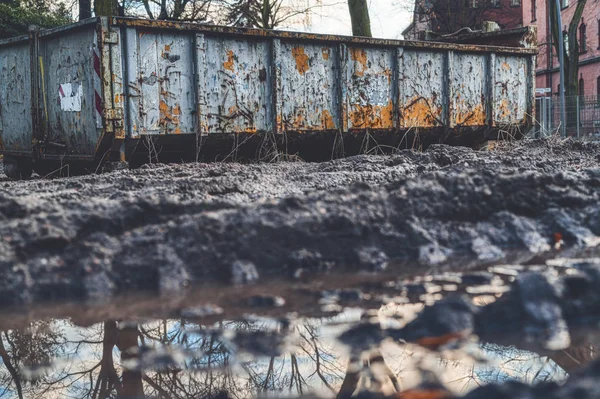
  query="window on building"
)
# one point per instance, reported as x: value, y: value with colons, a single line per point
x: 515, y: 2
x: 495, y: 3
x: 564, y: 3
x: 598, y: 89
x: 473, y: 3
x: 581, y: 86
x: 533, y: 10
x: 599, y: 33
x: 582, y: 38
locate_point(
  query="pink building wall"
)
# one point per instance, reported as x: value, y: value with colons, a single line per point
x: 547, y: 69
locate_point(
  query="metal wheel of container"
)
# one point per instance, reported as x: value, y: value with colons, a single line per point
x: 17, y: 168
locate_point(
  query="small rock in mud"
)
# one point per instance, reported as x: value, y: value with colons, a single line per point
x: 372, y: 258
x: 201, y: 311
x: 266, y: 301
x: 243, y: 272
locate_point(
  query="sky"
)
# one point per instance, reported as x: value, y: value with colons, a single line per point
x: 388, y: 18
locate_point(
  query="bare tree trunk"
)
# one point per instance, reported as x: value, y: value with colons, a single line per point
x: 85, y: 9
x: 106, y: 8
x: 9, y: 366
x: 132, y: 379
x: 359, y: 14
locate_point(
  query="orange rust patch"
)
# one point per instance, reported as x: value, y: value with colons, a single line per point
x: 470, y: 117
x: 232, y: 110
x: 420, y: 113
x: 301, y: 59
x: 167, y: 47
x: 117, y: 98
x: 436, y: 342
x: 372, y: 116
x: 327, y: 121
x: 325, y: 51
x: 505, y: 66
x: 424, y: 394
x: 299, y: 121
x: 229, y: 64
x: 388, y: 73
x: 359, y: 56
x: 504, y: 109
x: 169, y: 117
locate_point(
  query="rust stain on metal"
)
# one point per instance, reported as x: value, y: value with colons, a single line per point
x: 299, y: 122
x: 229, y: 64
x: 327, y: 121
x: 359, y: 55
x: 169, y: 117
x: 475, y: 117
x: 372, y: 116
x: 504, y: 109
x: 420, y: 112
x: 505, y: 66
x: 301, y: 59
x: 326, y: 53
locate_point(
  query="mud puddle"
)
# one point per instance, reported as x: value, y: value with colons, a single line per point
x: 509, y: 330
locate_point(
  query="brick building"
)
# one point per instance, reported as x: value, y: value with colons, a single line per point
x: 441, y: 17
x: 588, y: 34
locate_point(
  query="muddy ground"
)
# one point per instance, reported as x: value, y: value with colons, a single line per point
x: 164, y: 228
x: 519, y: 224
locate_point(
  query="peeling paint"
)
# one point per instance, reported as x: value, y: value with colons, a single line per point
x: 359, y: 55
x: 230, y: 61
x: 302, y: 60
x: 421, y: 112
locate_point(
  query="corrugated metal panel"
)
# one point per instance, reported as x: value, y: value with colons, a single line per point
x: 370, y: 88
x: 15, y: 97
x: 422, y: 89
x: 307, y: 87
x: 468, y: 88
x: 166, y: 81
x: 235, y: 76
x: 510, y: 79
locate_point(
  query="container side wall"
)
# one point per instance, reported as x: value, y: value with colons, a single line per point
x: 370, y: 92
x: 422, y: 86
x: 15, y: 98
x: 72, y: 106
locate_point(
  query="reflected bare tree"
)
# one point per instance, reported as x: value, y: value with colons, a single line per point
x: 25, y: 355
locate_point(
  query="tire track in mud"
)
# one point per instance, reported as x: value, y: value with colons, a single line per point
x: 163, y: 226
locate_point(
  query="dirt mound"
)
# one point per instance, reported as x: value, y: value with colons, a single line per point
x: 164, y: 227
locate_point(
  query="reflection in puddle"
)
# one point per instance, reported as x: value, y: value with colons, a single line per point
x: 182, y: 359
x: 431, y: 337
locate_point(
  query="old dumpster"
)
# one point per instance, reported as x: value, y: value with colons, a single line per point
x: 110, y: 89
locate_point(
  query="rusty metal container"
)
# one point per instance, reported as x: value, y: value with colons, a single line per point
x: 119, y: 88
